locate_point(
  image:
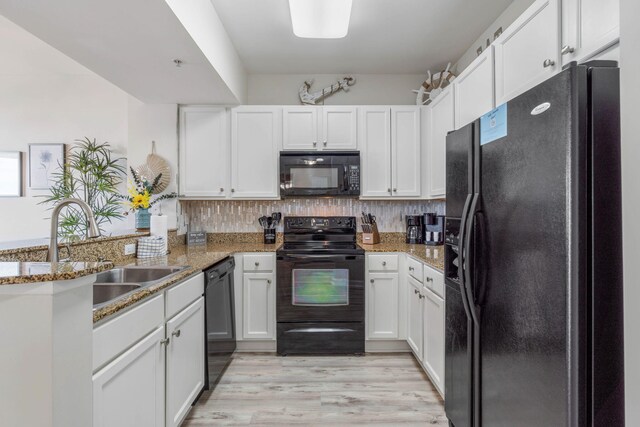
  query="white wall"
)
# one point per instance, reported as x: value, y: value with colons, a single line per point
x: 630, y: 89
x: 369, y: 89
x: 159, y: 123
x: 504, y: 20
x: 47, y: 97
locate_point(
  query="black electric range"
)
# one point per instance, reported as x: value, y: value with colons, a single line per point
x: 320, y: 287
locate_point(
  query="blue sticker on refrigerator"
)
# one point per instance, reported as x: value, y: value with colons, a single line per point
x: 493, y: 125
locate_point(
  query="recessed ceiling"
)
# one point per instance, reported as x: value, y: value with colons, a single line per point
x: 385, y: 36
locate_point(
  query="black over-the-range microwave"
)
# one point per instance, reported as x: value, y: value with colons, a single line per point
x: 319, y: 173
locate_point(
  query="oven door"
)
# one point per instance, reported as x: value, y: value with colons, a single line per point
x: 320, y: 288
x: 319, y: 174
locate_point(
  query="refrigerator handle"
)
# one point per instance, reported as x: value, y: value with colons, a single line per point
x: 468, y: 261
x: 461, y: 235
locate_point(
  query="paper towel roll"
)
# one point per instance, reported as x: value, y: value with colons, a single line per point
x: 159, y: 228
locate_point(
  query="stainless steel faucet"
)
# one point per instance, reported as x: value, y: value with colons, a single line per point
x: 93, y: 231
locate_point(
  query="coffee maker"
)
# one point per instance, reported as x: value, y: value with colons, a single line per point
x: 415, y: 229
x: 433, y: 229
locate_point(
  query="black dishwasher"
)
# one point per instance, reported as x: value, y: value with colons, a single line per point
x: 220, y: 322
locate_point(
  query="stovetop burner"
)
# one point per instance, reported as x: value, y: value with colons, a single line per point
x: 305, y: 234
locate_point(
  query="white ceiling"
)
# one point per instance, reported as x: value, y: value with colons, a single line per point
x: 385, y: 36
x: 131, y: 43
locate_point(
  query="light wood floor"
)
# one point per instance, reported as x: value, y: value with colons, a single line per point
x: 379, y: 389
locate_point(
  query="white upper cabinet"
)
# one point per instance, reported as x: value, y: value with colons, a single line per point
x: 300, y: 128
x: 256, y: 133
x: 440, y: 121
x: 528, y: 52
x: 405, y: 151
x: 375, y: 151
x: 339, y: 128
x: 319, y: 128
x: 588, y: 27
x: 473, y: 89
x: 204, y: 152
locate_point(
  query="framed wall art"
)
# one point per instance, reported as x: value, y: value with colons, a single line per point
x: 44, y: 160
x: 10, y: 174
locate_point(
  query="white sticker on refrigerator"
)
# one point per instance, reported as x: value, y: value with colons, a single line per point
x: 493, y: 125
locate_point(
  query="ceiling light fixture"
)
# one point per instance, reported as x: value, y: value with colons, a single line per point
x: 320, y: 19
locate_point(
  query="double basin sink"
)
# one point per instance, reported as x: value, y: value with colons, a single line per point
x: 118, y: 282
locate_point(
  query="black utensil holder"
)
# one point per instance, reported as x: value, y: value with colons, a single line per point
x: 269, y: 236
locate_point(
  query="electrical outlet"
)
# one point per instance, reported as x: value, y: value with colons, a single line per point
x: 130, y: 249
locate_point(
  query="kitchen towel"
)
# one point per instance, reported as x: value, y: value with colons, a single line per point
x: 159, y: 229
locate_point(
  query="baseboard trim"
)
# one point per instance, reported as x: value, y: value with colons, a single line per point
x: 266, y: 346
x: 391, y: 346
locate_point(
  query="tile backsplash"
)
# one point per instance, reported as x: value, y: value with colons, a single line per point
x: 225, y: 216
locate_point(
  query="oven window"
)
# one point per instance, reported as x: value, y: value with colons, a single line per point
x: 314, y: 177
x: 320, y: 287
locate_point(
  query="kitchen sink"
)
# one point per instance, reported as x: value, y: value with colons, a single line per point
x: 115, y: 283
x: 104, y: 292
x: 136, y: 274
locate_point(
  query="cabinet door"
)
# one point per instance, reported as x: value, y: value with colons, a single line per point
x: 588, y: 27
x: 339, y: 128
x: 528, y: 52
x: 300, y: 128
x: 441, y: 122
x: 473, y: 89
x: 405, y: 151
x: 375, y: 151
x: 382, y: 306
x: 204, y: 152
x: 185, y: 361
x: 256, y: 133
x: 130, y: 390
x: 414, y: 321
x: 258, y: 306
x: 433, y: 358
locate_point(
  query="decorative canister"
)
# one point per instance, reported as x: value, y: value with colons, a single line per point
x: 143, y: 219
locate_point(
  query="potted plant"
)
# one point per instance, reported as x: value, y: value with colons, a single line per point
x: 139, y: 200
x: 91, y: 174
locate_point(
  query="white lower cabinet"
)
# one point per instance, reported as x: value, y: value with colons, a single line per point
x: 155, y: 376
x: 258, y: 310
x: 130, y: 391
x: 415, y: 317
x: 433, y: 340
x: 185, y: 361
x: 382, y: 306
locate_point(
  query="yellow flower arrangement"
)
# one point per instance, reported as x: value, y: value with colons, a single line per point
x: 140, y: 191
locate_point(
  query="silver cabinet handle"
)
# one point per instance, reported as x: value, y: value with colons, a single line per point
x: 268, y: 281
x: 324, y: 143
x: 315, y: 143
x: 384, y: 263
x: 395, y: 190
x: 567, y: 49
x: 415, y: 291
x: 388, y: 190
x: 257, y: 263
x: 429, y: 279
x: 371, y: 280
x: 420, y: 296
x: 165, y: 341
x: 175, y: 333
x: 548, y: 63
x: 233, y: 190
x: 221, y: 189
x: 410, y: 268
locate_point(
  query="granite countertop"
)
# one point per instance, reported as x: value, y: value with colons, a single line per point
x: 198, y: 258
x: 12, y: 273
x: 41, y: 244
x: 430, y: 255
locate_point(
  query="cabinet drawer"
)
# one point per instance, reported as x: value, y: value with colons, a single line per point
x: 383, y: 262
x: 434, y: 280
x: 117, y: 335
x: 184, y: 294
x: 258, y: 262
x: 414, y: 268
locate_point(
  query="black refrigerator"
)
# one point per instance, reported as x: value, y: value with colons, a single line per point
x: 533, y: 258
